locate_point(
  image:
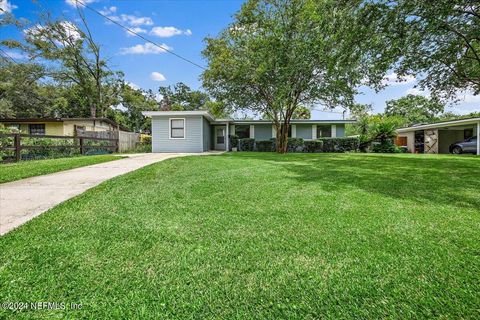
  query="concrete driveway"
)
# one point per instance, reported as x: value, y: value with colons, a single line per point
x: 25, y: 199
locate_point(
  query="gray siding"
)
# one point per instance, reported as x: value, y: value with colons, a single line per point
x: 263, y: 132
x: 340, y: 130
x: 193, y: 135
x: 304, y: 131
x: 207, y: 139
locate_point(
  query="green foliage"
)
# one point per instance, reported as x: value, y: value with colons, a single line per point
x: 277, y: 55
x: 434, y: 40
x: 246, y: 144
x: 385, y: 147
x: 233, y: 141
x: 414, y: 109
x: 265, y: 145
x: 339, y: 144
x: 295, y: 144
x: 313, y: 146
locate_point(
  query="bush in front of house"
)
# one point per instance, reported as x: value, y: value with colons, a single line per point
x: 265, y: 145
x: 386, y: 147
x: 295, y: 144
x: 313, y: 146
x: 233, y: 141
x: 340, y: 144
x: 246, y: 144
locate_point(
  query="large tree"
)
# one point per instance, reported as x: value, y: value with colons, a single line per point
x: 415, y: 109
x: 74, y: 61
x: 437, y: 41
x: 278, y: 55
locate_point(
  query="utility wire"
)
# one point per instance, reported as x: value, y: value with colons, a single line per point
x: 138, y: 35
x: 6, y: 55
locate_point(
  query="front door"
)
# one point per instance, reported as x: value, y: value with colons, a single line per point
x: 220, y: 137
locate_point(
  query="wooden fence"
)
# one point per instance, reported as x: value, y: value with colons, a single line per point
x: 126, y: 140
x: 80, y: 143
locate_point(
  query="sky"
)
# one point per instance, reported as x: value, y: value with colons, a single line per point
x: 181, y: 26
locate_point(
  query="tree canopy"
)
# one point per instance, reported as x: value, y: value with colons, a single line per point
x: 278, y: 55
x: 415, y: 109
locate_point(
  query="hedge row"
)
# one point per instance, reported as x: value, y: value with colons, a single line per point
x: 298, y: 145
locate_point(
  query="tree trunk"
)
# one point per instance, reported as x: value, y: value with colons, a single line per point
x: 282, y: 137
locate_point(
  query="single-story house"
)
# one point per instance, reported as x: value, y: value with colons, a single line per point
x: 199, y: 131
x: 437, y: 137
x: 60, y: 126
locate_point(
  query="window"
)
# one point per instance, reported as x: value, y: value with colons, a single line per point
x: 177, y: 128
x: 324, y: 131
x: 36, y: 129
x: 242, y: 131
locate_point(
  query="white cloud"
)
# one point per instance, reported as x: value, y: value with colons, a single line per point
x: 74, y: 3
x: 6, y: 7
x: 166, y: 32
x: 136, y: 30
x: 132, y: 20
x: 132, y: 85
x: 157, y: 76
x: 108, y: 11
x: 16, y: 55
x: 470, y: 98
x: 146, y: 48
x: 393, y: 79
x: 417, y: 92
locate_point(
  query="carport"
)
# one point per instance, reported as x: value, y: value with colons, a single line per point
x: 437, y: 137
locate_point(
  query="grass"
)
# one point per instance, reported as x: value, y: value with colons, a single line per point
x: 25, y: 169
x: 252, y: 235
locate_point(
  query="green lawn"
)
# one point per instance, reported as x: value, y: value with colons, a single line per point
x: 24, y: 169
x: 252, y: 236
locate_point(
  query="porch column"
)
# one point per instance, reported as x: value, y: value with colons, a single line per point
x: 294, y: 131
x: 478, y: 138
x: 314, y: 131
x: 227, y: 138
x: 334, y: 130
x: 252, y: 131
x: 274, y: 132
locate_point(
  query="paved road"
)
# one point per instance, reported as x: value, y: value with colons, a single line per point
x: 25, y: 199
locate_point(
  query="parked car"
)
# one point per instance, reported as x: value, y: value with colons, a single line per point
x: 467, y: 146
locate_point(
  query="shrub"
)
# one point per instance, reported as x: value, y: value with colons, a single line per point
x: 266, y: 145
x: 246, y: 144
x: 313, y: 146
x: 295, y: 144
x: 340, y: 144
x: 145, y: 139
x: 233, y: 141
x: 385, y: 147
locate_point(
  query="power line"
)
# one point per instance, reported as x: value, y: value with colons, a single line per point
x: 139, y: 35
x: 6, y: 55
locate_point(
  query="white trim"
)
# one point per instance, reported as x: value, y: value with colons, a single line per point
x: 232, y: 129
x: 440, y: 124
x: 478, y: 138
x: 184, y: 129
x: 294, y: 131
x: 226, y: 138
x: 252, y: 131
x: 314, y: 131
x: 274, y: 132
x: 205, y: 114
x: 334, y: 131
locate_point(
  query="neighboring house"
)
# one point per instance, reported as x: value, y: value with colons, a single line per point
x: 437, y: 137
x: 199, y: 131
x: 60, y: 126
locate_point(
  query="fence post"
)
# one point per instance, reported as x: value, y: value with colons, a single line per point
x: 81, y: 145
x: 17, y: 147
